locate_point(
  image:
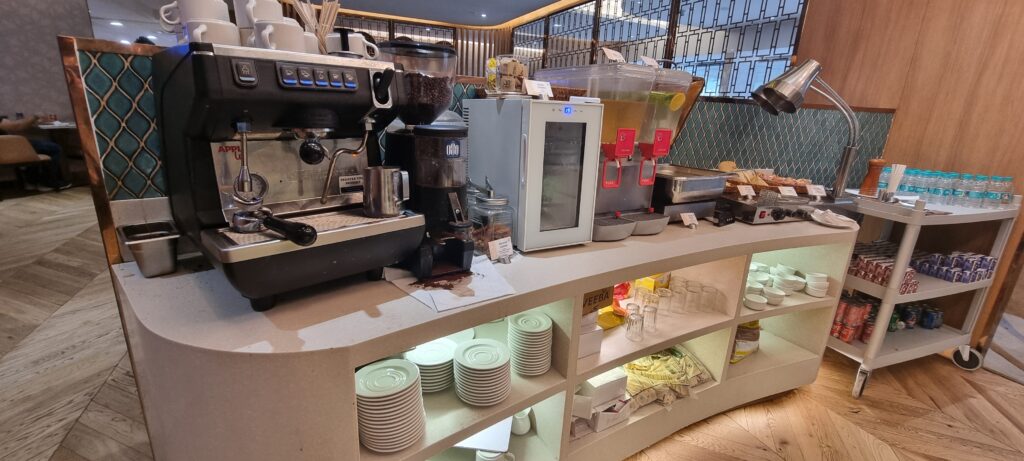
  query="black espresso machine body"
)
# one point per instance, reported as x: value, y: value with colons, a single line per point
x: 207, y: 94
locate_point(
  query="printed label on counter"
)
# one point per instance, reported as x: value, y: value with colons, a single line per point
x: 746, y: 191
x: 501, y: 248
x: 816, y: 190
x: 538, y: 88
x: 787, y: 191
x: 689, y: 219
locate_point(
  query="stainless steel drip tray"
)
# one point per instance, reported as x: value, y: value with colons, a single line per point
x: 332, y: 227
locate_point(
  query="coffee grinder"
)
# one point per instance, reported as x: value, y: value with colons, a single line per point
x: 435, y: 155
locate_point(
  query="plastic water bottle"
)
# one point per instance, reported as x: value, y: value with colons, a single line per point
x: 936, y: 184
x: 976, y: 191
x: 910, y: 179
x: 1006, y: 193
x: 948, y: 183
x: 993, y: 194
x: 883, y: 180
x: 959, y: 190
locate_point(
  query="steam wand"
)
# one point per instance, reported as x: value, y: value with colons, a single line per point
x: 345, y: 150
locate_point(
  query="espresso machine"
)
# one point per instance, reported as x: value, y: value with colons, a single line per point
x: 265, y: 152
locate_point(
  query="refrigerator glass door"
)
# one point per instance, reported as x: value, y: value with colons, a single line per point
x: 562, y: 178
x: 561, y: 156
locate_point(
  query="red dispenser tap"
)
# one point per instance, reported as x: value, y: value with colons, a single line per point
x: 652, y: 152
x: 615, y: 152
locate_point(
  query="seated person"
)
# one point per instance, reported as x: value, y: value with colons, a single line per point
x: 35, y: 179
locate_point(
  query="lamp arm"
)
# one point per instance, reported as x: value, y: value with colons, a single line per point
x: 851, y: 118
x: 850, y: 151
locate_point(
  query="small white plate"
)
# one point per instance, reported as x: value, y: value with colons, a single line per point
x: 482, y: 354
x: 385, y: 378
x: 437, y: 352
x: 530, y: 322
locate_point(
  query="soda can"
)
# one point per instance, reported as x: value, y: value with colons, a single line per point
x: 869, y: 329
x: 910, y: 315
x: 958, y: 276
x: 855, y: 314
x: 894, y: 320
x: 836, y: 326
x: 940, y: 273
x: 931, y: 318
x: 841, y: 310
x: 847, y: 333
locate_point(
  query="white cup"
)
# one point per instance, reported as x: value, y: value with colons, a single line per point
x: 211, y: 31
x: 357, y: 43
x: 245, y: 36
x: 181, y: 11
x: 494, y: 456
x: 279, y: 35
x: 247, y: 12
x: 312, y: 43
x: 521, y: 422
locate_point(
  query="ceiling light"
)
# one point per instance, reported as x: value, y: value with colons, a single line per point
x: 558, y: 25
x: 483, y: 15
x: 427, y: 29
x: 151, y: 37
x: 125, y: 42
x: 116, y: 23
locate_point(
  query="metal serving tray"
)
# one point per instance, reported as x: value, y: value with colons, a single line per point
x: 681, y: 184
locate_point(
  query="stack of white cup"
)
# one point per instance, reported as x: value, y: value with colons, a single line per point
x: 200, y: 21
x: 263, y: 25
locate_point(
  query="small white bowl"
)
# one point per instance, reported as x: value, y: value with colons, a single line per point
x: 815, y: 277
x: 758, y: 267
x: 815, y: 293
x: 754, y: 287
x: 755, y: 302
x: 759, y: 277
x: 773, y: 271
x: 784, y: 269
x: 822, y: 286
x: 772, y: 292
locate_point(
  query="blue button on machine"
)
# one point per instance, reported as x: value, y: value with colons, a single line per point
x: 305, y: 76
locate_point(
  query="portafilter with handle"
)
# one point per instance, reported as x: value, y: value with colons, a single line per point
x: 384, y: 191
x: 255, y: 220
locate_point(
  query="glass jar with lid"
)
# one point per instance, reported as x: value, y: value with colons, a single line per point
x: 492, y: 219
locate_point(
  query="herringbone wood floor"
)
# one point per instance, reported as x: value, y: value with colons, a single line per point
x: 67, y: 392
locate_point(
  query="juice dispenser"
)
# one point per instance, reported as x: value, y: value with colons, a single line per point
x: 665, y: 105
x: 625, y: 180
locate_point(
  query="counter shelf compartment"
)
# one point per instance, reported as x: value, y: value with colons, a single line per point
x: 542, y: 443
x: 782, y: 344
x: 821, y: 259
x: 712, y: 349
x: 450, y: 420
x: 725, y: 275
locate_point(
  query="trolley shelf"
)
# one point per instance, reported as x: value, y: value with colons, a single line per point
x: 928, y: 288
x: 903, y: 345
x: 885, y: 348
x: 908, y: 215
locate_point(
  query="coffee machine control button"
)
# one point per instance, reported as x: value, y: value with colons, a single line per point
x: 350, y: 79
x: 320, y: 76
x: 288, y: 75
x: 305, y: 76
x: 245, y: 72
x: 334, y: 77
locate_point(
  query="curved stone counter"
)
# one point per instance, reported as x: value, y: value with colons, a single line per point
x: 219, y: 381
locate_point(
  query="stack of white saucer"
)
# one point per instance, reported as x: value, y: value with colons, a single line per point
x: 389, y: 405
x: 483, y: 374
x: 434, y: 360
x: 529, y: 337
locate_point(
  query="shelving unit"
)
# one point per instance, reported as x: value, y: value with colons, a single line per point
x: 884, y: 348
x: 209, y: 343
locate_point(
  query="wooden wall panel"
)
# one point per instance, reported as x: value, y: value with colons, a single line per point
x: 952, y: 54
x: 475, y: 46
x: 865, y: 47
